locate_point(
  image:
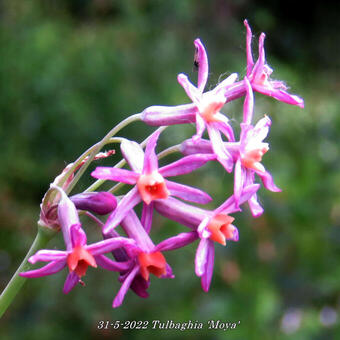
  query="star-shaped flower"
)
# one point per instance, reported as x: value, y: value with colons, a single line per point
x: 78, y: 254
x: 250, y: 151
x: 149, y: 180
x: 211, y: 227
x: 208, y: 106
x: 260, y: 72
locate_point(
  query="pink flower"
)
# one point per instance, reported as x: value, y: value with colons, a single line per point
x: 78, y: 255
x: 149, y: 180
x: 211, y: 227
x: 250, y: 152
x: 246, y: 154
x: 208, y: 106
x: 145, y: 259
x: 260, y: 72
x: 204, y: 111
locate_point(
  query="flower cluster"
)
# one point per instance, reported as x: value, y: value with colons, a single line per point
x: 132, y: 253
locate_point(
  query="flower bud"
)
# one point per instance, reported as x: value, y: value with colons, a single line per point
x: 97, y: 202
x: 169, y: 115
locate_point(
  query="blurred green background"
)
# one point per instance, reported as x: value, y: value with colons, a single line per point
x: 71, y: 70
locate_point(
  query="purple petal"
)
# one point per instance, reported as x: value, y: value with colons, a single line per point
x: 235, y: 91
x: 47, y: 256
x: 278, y: 84
x: 168, y: 273
x: 248, y: 108
x: 250, y: 62
x: 98, y: 202
x: 239, y: 177
x: 134, y: 229
x: 261, y: 129
x: 186, y: 165
x: 169, y: 115
x: 108, y: 245
x: 133, y: 154
x: 146, y: 218
x: 248, y: 192
x: 49, y: 269
x: 280, y: 95
x: 187, y: 193
x: 236, y: 236
x: 118, y: 300
x: 115, y: 174
x: 202, y: 230
x: 192, y: 92
x: 200, y: 127
x: 180, y: 212
x: 178, y: 241
x: 201, y: 256
x: 108, y: 264
x: 268, y: 181
x: 255, y: 206
x: 224, y: 126
x: 150, y: 158
x: 71, y: 280
x: 220, y: 151
x: 260, y: 63
x: 226, y: 84
x: 229, y: 206
x: 131, y: 199
x: 203, y: 69
x: 244, y: 135
x: 209, y: 267
x: 139, y: 285
x: 78, y: 236
x: 67, y: 216
x: 189, y: 147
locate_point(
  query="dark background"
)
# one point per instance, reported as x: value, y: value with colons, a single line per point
x: 71, y: 70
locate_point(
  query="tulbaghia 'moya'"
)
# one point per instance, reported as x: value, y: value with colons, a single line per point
x: 136, y: 259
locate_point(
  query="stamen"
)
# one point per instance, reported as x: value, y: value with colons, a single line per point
x: 153, y: 263
x: 79, y: 260
x: 221, y: 228
x: 151, y: 187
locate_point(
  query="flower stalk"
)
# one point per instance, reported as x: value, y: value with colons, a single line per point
x: 43, y: 236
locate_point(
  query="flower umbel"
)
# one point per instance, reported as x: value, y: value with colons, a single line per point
x: 137, y: 260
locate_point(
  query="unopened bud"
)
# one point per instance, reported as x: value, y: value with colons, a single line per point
x: 100, y: 203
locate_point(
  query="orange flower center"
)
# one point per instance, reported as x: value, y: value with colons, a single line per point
x: 210, y: 105
x: 153, y: 263
x: 152, y: 186
x: 252, y: 158
x: 79, y: 260
x: 221, y: 228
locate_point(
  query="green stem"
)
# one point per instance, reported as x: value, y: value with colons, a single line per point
x: 99, y: 182
x: 15, y: 284
x: 116, y: 187
x: 164, y: 153
x: 99, y: 145
x: 169, y: 151
x: 91, y: 152
x: 120, y: 164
